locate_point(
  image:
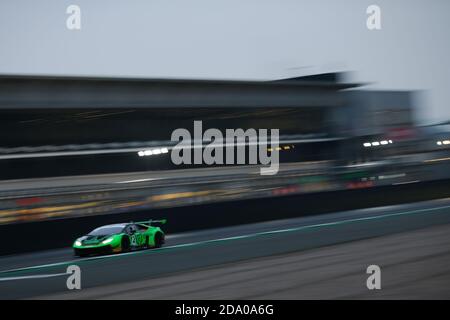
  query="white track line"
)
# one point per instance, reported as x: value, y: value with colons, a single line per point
x: 38, y: 276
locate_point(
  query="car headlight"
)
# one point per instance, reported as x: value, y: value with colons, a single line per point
x: 78, y: 243
x: 107, y: 241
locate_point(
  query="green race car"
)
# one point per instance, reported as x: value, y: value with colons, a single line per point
x: 121, y: 237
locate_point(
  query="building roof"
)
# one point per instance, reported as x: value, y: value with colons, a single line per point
x: 32, y: 91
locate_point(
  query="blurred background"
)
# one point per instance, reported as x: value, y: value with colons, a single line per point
x: 333, y: 136
x: 86, y: 118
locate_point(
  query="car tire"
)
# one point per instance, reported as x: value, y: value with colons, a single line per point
x: 159, y: 240
x: 147, y: 242
x: 125, y: 244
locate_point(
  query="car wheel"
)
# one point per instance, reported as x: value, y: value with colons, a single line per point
x: 147, y: 242
x: 159, y: 240
x: 125, y: 244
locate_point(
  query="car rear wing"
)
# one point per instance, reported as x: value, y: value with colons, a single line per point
x: 151, y: 221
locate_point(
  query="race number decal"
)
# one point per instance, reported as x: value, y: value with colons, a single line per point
x: 133, y: 240
x: 137, y: 239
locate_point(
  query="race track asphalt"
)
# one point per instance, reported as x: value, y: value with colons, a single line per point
x: 296, y: 258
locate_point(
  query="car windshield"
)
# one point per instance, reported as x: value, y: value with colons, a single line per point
x: 103, y: 231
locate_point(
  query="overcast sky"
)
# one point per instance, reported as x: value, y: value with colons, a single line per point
x: 236, y: 39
